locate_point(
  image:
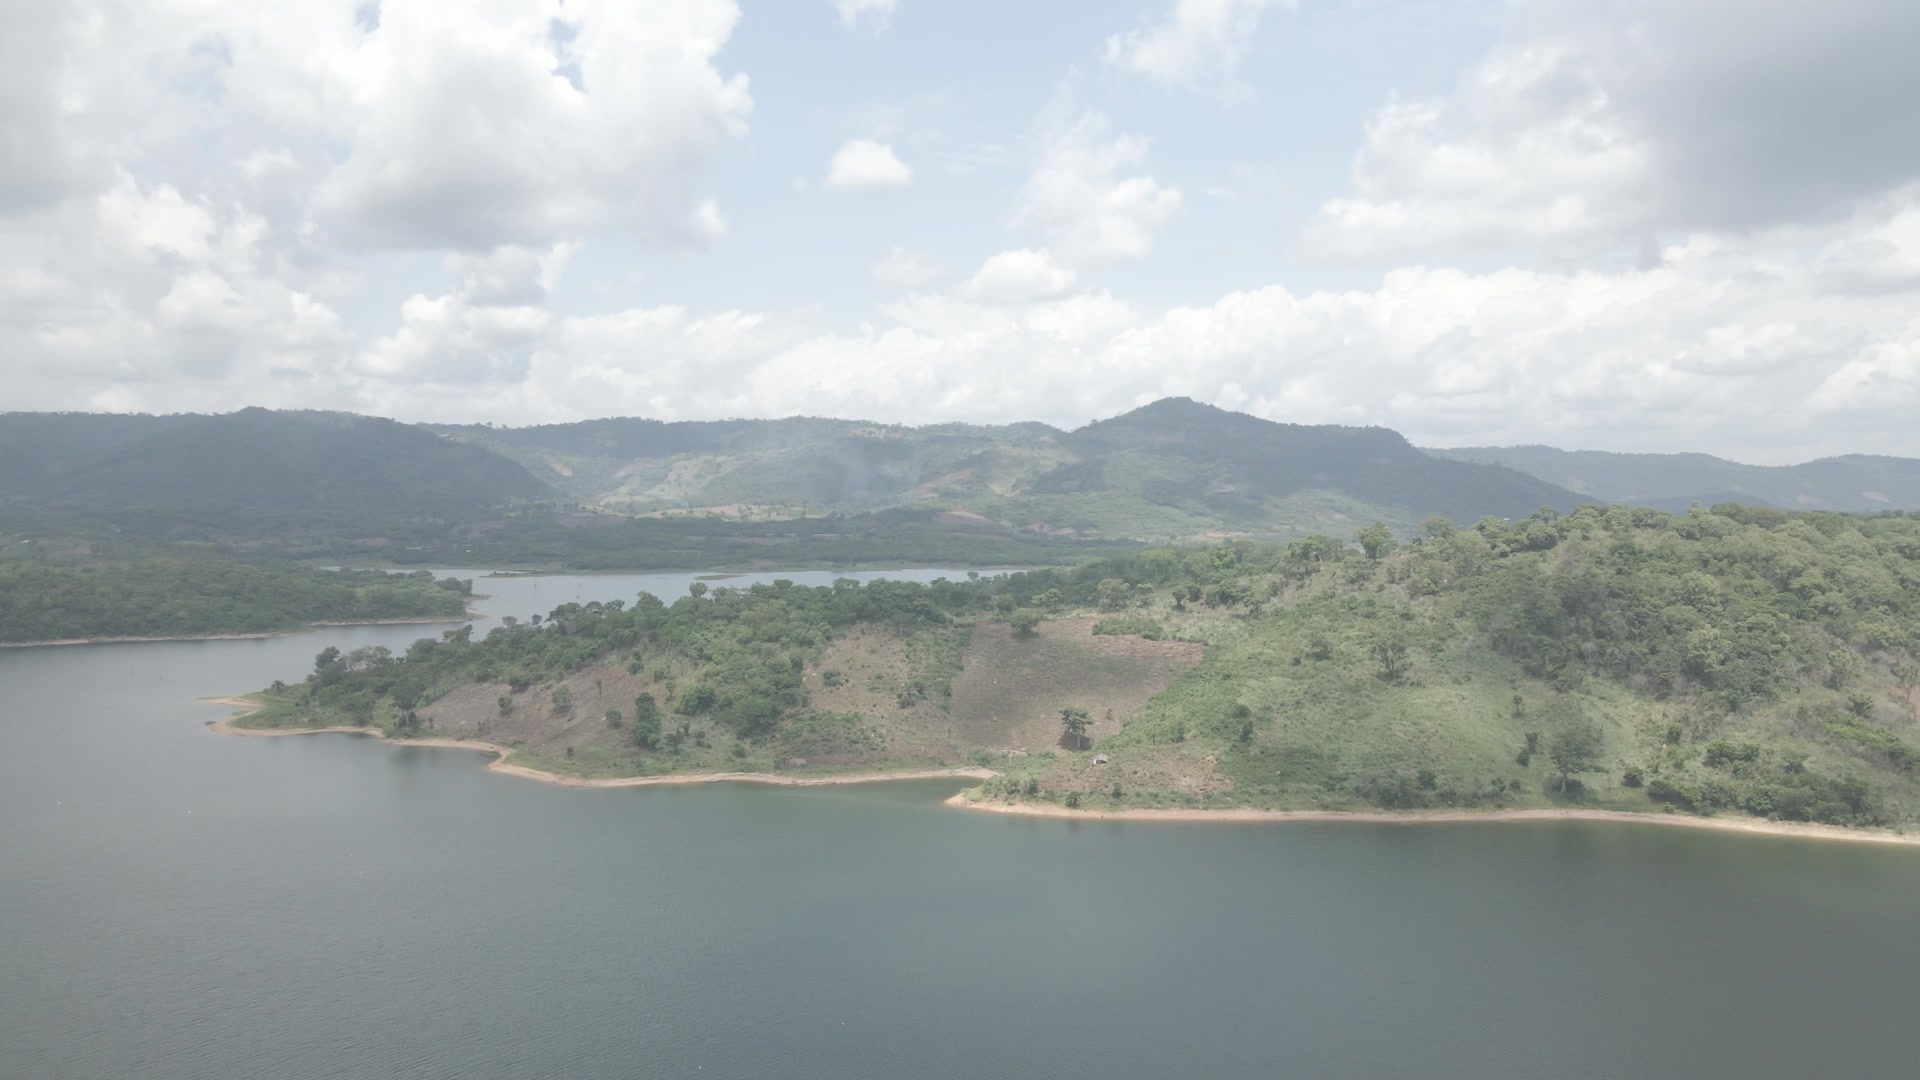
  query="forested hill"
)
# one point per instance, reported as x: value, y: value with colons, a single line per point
x: 251, y: 473
x: 1167, y: 471
x: 198, y: 597
x: 1857, y: 483
x: 609, y: 493
x: 1746, y: 661
x: 1177, y: 449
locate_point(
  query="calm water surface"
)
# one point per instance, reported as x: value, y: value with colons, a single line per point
x: 174, y: 904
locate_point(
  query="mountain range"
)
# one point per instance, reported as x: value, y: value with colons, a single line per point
x: 326, y: 484
x: 1857, y: 483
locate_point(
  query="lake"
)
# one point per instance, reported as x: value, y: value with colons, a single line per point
x: 177, y: 904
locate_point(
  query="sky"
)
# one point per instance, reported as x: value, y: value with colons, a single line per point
x: 1640, y: 225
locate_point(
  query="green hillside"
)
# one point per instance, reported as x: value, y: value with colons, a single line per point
x: 288, y: 477
x: 1856, y: 483
x: 1173, y: 470
x: 1748, y: 661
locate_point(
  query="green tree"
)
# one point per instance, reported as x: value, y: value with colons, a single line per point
x: 562, y: 700
x: 1575, y: 749
x: 613, y: 718
x: 1391, y: 655
x: 646, y: 720
x: 1376, y: 540
x: 1073, y: 724
x: 1024, y: 621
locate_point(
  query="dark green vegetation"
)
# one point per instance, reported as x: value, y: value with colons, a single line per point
x: 1738, y: 660
x: 290, y: 483
x: 190, y: 597
x: 1857, y: 483
x: 903, y: 537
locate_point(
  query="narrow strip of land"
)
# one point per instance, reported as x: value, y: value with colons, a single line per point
x: 1442, y: 817
x: 301, y: 629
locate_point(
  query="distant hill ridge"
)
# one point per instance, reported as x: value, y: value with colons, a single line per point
x: 249, y: 472
x: 1858, y: 483
x: 1171, y: 469
x: 321, y: 484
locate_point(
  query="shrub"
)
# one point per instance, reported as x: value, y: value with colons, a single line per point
x: 1130, y: 626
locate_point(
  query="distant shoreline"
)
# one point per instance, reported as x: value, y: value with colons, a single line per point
x: 305, y: 628
x: 501, y: 764
x: 1751, y: 826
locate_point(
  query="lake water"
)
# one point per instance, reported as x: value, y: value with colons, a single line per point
x: 176, y: 904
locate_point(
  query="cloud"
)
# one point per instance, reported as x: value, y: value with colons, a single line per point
x: 39, y: 159
x: 143, y: 296
x: 453, y: 341
x: 1741, y: 346
x: 903, y: 268
x: 1078, y: 199
x: 874, y: 15
x: 1017, y: 277
x: 475, y: 124
x: 867, y: 165
x: 510, y: 275
x: 1196, y: 42
x: 1882, y: 256
x: 1592, y: 127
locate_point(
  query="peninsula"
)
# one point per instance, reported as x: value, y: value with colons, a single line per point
x: 1727, y: 662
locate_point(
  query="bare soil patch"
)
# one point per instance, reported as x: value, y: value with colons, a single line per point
x: 1011, y: 689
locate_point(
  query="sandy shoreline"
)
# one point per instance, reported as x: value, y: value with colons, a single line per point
x: 500, y: 764
x: 305, y: 629
x: 1754, y: 826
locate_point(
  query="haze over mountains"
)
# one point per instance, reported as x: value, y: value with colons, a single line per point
x: 1859, y: 483
x: 314, y: 483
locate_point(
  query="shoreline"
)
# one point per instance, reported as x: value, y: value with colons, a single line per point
x: 501, y: 754
x: 1751, y: 826
x: 501, y: 764
x: 262, y: 635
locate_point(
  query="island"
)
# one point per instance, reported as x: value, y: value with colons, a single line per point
x: 1736, y: 663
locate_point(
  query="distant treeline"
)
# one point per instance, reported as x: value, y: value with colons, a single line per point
x: 190, y: 597
x: 888, y: 538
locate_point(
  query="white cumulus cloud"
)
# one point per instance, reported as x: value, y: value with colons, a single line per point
x: 1592, y: 128
x: 1080, y: 196
x: 1016, y: 277
x: 867, y: 165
